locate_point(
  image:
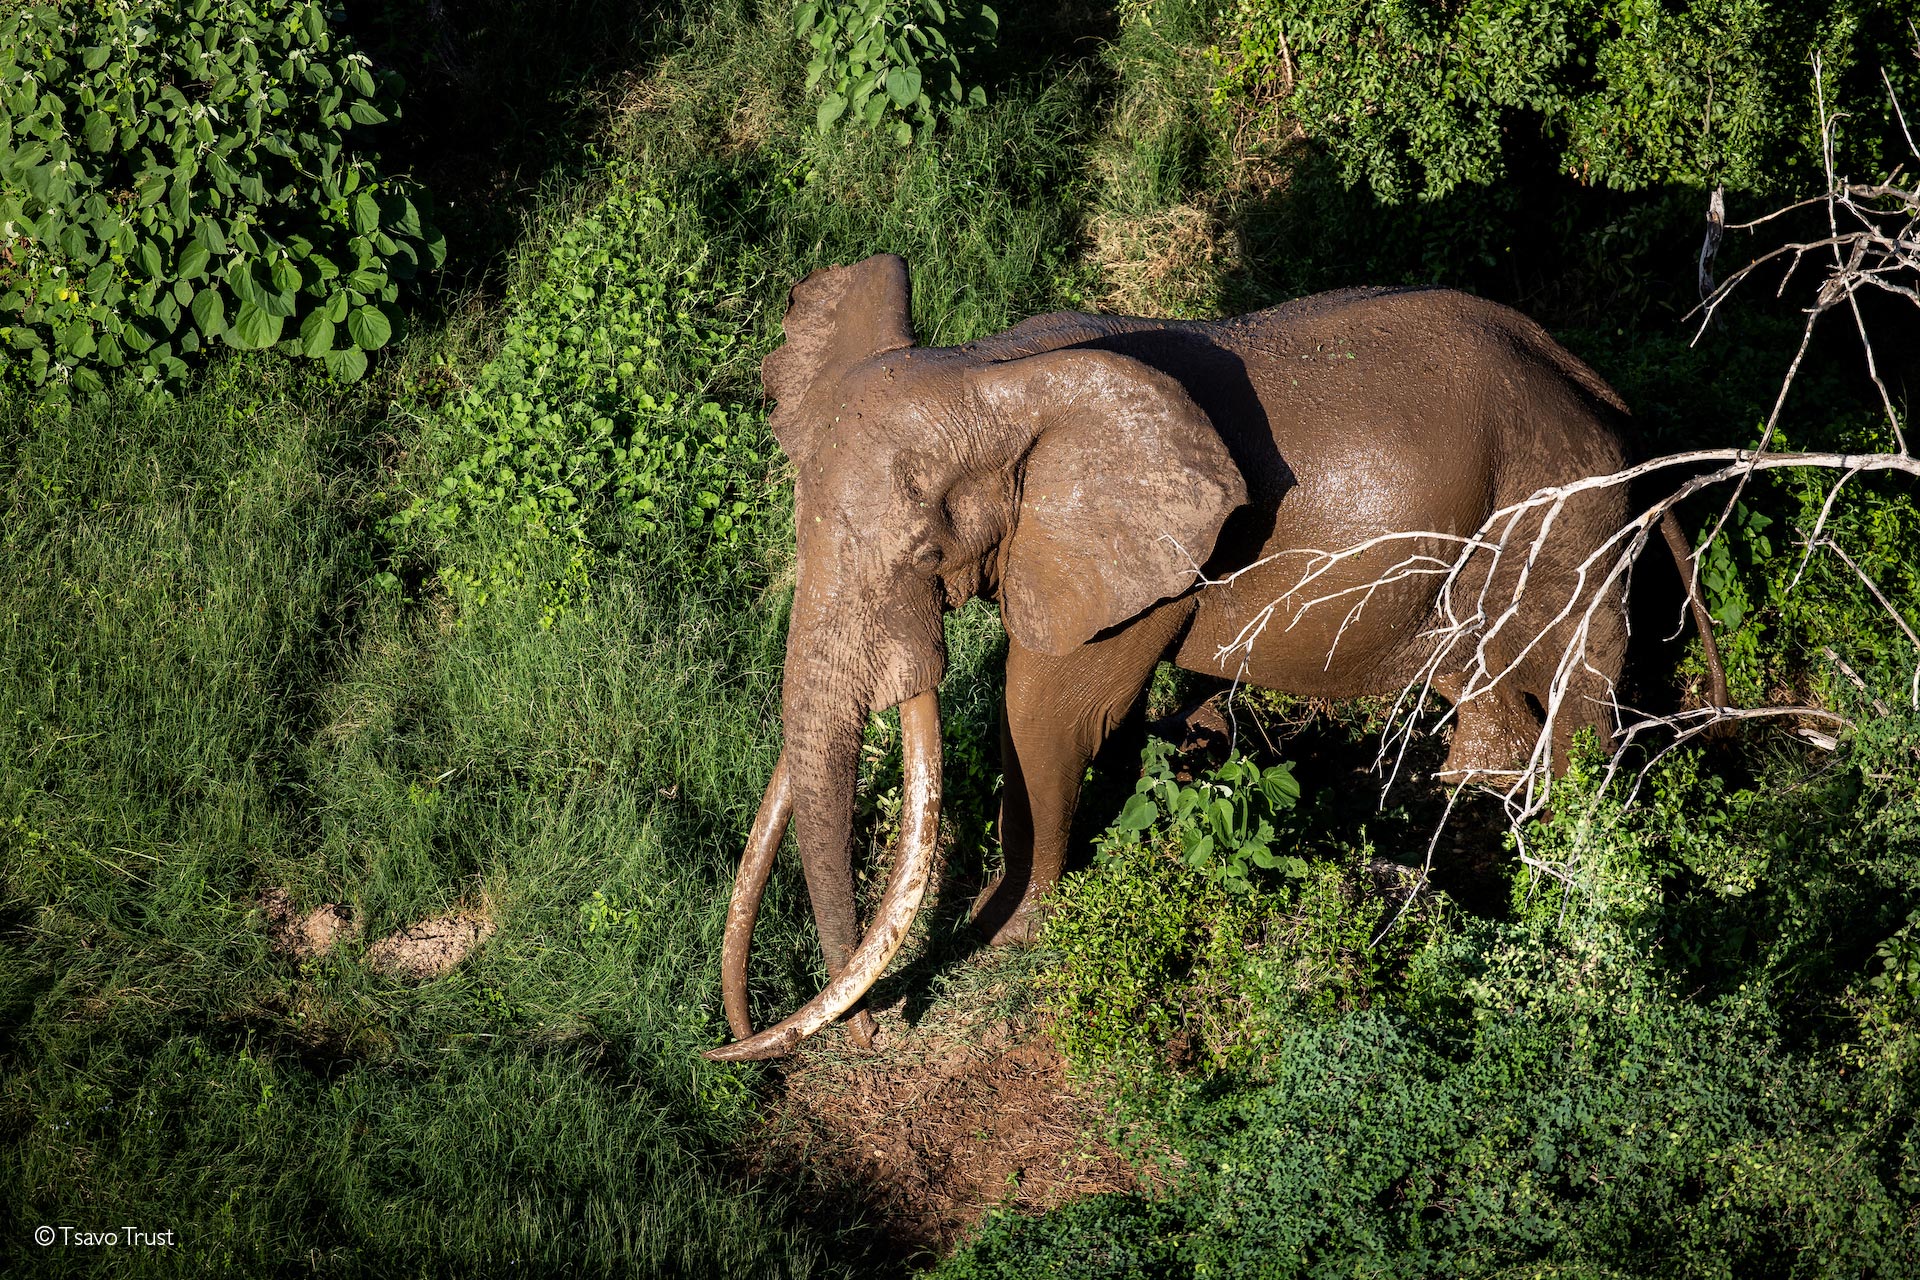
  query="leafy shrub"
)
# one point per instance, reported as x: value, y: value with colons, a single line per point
x: 172, y: 174
x: 591, y: 426
x: 1223, y: 820
x: 892, y: 58
x: 1781, y: 611
x: 1691, y: 1050
x: 1166, y: 952
x: 1416, y: 98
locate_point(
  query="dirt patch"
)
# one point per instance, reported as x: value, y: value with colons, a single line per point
x: 432, y: 948
x: 935, y: 1127
x: 308, y: 935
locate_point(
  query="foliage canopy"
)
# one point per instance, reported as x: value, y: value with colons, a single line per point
x: 1416, y: 98
x: 172, y: 175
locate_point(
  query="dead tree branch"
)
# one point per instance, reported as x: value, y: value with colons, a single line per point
x: 1482, y: 632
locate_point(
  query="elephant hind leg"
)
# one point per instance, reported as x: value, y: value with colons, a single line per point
x: 1492, y: 734
x: 1498, y: 729
x: 1590, y: 697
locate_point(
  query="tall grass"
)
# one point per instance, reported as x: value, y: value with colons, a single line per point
x: 205, y: 694
x: 199, y: 699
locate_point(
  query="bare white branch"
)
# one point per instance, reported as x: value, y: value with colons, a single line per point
x: 1503, y: 597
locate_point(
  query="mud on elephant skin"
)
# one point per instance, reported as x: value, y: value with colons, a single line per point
x: 1100, y: 476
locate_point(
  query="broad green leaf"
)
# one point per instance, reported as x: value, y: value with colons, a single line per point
x: 366, y: 113
x: 316, y: 334
x: 402, y: 217
x: 241, y: 279
x: 98, y: 131
x: 96, y: 57
x: 903, y: 133
x: 254, y: 329
x: 901, y: 87
x: 150, y: 259
x: 1139, y: 813
x: 366, y: 213
x: 830, y: 110
x: 210, y: 311
x: 347, y: 365
x: 1280, y: 787
x: 286, y: 276
x: 44, y: 182
x: 73, y: 241
x: 368, y: 328
x: 193, y: 260
x: 1220, y: 814
x: 316, y: 22
x: 274, y: 302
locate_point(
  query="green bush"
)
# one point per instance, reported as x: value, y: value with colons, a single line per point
x: 1781, y: 611
x: 593, y: 426
x: 1691, y: 1049
x: 1222, y: 821
x: 1415, y: 99
x: 1167, y: 953
x: 172, y: 174
x: 898, y: 58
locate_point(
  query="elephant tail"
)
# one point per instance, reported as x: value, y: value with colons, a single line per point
x: 1683, y: 561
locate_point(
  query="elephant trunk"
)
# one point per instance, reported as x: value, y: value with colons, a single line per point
x: 853, y: 974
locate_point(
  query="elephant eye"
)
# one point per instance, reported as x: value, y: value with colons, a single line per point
x: 928, y: 557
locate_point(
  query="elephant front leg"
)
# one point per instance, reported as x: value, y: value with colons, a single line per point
x: 1059, y: 711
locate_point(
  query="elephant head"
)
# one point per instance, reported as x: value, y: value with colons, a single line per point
x: 1077, y: 487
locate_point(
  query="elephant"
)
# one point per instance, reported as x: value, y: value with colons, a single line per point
x: 1131, y: 490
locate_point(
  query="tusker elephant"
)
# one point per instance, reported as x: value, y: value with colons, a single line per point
x: 1103, y: 478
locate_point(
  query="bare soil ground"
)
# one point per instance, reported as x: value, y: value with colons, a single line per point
x: 430, y: 949
x: 968, y: 1110
x: 305, y: 936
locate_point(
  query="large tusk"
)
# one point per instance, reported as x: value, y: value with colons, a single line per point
x: 749, y: 885
x: 906, y: 888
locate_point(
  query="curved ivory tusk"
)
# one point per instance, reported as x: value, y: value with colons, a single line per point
x: 906, y: 888
x: 749, y: 885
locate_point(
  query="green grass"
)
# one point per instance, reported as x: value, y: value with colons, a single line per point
x: 203, y: 698
x: 207, y: 691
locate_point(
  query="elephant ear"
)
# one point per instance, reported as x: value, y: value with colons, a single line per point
x: 836, y: 317
x: 1123, y: 492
